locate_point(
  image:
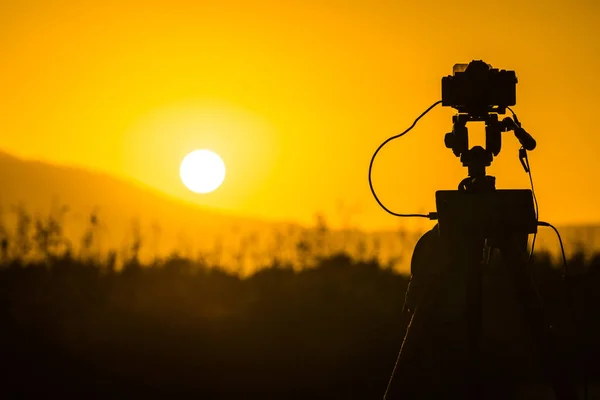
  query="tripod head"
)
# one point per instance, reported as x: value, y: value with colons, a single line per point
x: 478, y: 158
x: 479, y: 93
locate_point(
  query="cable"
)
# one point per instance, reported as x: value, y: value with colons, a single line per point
x: 535, y: 202
x: 430, y: 215
x: 562, y: 247
x: 537, y: 208
x: 565, y: 275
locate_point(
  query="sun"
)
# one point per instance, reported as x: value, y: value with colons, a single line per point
x: 202, y: 171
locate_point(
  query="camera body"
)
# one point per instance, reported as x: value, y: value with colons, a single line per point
x: 478, y: 89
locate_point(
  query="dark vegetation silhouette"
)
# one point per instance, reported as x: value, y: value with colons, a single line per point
x: 230, y: 240
x: 74, y: 324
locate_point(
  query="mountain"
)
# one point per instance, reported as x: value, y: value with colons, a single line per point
x: 118, y: 204
x: 35, y: 184
x: 167, y: 224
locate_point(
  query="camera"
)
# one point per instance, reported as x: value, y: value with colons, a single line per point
x: 477, y: 88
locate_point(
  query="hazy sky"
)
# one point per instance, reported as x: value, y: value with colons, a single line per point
x: 296, y: 96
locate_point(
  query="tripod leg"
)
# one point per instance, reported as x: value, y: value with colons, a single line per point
x: 514, y: 254
x: 419, y: 298
x: 440, y: 350
x: 469, y: 252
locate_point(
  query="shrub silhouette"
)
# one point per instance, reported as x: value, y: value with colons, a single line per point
x: 74, y: 325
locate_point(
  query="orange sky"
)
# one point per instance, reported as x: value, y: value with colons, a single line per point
x: 295, y: 96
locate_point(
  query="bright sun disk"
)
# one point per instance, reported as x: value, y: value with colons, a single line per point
x: 202, y: 171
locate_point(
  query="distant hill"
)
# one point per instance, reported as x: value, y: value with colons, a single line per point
x: 36, y: 184
x: 39, y: 186
x: 168, y: 224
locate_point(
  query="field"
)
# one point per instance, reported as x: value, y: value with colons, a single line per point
x: 74, y: 325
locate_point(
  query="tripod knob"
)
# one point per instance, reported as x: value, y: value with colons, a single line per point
x: 449, y: 140
x: 453, y: 142
x: 457, y: 140
x: 477, y: 156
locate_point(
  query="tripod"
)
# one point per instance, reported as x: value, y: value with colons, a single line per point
x: 474, y: 221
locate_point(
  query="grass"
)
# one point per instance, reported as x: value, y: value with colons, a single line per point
x: 327, y: 325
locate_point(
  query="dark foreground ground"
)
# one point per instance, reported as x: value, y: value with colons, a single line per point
x: 72, y: 329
